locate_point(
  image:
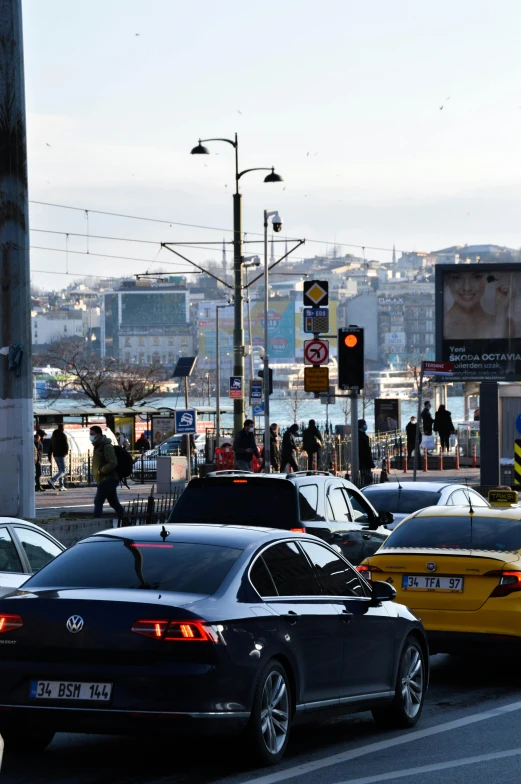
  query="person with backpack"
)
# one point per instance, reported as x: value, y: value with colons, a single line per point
x: 105, y: 471
x: 59, y: 449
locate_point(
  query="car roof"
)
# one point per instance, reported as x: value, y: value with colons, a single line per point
x: 204, y: 533
x: 463, y: 511
x: 19, y: 521
x: 433, y: 487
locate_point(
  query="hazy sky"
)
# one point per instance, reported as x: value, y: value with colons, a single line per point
x: 358, y: 86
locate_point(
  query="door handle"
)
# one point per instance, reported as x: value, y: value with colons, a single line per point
x: 292, y: 617
x: 366, y: 536
x: 346, y: 616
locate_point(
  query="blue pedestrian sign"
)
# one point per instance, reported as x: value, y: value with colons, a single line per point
x: 186, y: 421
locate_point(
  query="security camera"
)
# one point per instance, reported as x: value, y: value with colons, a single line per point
x: 277, y: 222
x: 261, y: 353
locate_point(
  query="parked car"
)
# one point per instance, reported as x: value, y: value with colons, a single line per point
x: 24, y: 549
x: 196, y: 629
x: 313, y: 502
x: 459, y: 570
x: 402, y: 499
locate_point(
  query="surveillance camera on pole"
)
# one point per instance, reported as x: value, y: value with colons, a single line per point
x: 277, y: 222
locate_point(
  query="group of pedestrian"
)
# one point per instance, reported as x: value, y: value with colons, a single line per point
x: 58, y: 449
x: 283, y: 452
x: 441, y: 423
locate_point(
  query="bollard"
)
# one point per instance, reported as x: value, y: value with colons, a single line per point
x: 315, y: 461
x: 474, y: 456
x: 388, y: 463
x: 405, y: 463
x: 335, y: 466
x: 456, y: 457
x: 440, y: 466
x: 425, y: 460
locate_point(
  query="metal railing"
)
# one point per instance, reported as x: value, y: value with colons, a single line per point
x: 149, y: 510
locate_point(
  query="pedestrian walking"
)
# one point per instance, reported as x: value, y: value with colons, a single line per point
x: 288, y: 457
x: 444, y: 427
x: 59, y: 449
x: 122, y: 440
x: 142, y: 444
x: 365, y: 457
x: 38, y: 455
x: 244, y: 446
x: 427, y: 419
x: 312, y: 443
x: 104, y: 469
x: 274, y: 448
x: 411, y: 430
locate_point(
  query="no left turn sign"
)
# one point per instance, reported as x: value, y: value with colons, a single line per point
x: 316, y: 352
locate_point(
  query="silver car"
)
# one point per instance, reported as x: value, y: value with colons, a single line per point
x: 403, y: 499
x: 24, y: 549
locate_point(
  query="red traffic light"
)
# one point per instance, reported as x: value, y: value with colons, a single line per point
x: 350, y: 340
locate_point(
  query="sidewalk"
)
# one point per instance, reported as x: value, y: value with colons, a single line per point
x: 81, y: 499
x: 451, y: 475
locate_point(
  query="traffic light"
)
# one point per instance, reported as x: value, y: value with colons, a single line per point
x: 351, y: 357
x: 270, y: 376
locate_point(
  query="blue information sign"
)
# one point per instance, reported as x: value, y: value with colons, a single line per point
x: 518, y: 423
x: 186, y: 421
x: 258, y: 410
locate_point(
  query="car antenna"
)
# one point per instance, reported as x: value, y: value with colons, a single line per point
x: 471, y: 510
x: 397, y: 479
x: 164, y: 533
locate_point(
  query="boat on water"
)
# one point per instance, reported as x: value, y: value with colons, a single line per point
x: 399, y: 384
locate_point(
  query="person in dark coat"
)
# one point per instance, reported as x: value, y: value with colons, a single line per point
x: 38, y: 454
x: 288, y: 457
x: 244, y: 446
x: 59, y: 449
x: 444, y: 427
x: 274, y: 448
x: 142, y: 444
x: 411, y: 429
x: 365, y: 457
x: 427, y: 419
x: 312, y: 443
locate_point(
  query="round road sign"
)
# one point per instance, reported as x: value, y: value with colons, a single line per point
x: 316, y: 352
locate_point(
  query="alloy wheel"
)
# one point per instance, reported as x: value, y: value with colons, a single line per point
x: 412, y: 681
x: 274, y: 712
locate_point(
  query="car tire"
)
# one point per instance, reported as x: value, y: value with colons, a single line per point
x: 26, y: 740
x: 407, y: 705
x: 269, y: 725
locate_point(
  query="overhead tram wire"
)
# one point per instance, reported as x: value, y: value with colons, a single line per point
x: 198, y: 245
x: 106, y: 256
x: 212, y: 228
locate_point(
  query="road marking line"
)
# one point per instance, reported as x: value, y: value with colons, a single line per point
x: 64, y: 507
x: 371, y: 748
x: 399, y: 774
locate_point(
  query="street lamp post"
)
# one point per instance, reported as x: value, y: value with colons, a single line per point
x: 277, y: 223
x: 238, y: 325
x: 218, y: 374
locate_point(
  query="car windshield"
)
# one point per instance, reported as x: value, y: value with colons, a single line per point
x: 392, y: 499
x: 238, y: 500
x: 461, y: 532
x: 186, y: 567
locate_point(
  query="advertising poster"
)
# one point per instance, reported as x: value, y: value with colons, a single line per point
x: 386, y: 415
x: 163, y: 428
x: 125, y: 426
x: 478, y: 320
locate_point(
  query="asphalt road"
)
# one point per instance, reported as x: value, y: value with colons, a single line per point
x: 469, y: 732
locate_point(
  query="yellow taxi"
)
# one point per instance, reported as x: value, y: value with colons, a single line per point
x: 459, y: 570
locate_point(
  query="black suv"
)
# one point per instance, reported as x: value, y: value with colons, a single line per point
x: 313, y: 502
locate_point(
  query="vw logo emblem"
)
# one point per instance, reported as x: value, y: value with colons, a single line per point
x: 74, y: 624
x: 431, y: 566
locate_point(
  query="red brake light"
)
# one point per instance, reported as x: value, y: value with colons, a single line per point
x: 509, y: 582
x: 9, y: 623
x: 239, y: 481
x: 366, y: 569
x: 298, y: 530
x: 151, y: 544
x: 175, y: 630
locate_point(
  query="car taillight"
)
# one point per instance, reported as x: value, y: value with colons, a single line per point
x: 365, y: 570
x: 298, y: 530
x: 164, y: 629
x: 10, y: 622
x: 509, y: 582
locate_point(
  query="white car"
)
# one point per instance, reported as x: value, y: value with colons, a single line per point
x: 404, y: 498
x: 24, y: 549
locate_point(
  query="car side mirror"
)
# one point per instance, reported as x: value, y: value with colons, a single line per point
x: 382, y: 592
x: 385, y: 518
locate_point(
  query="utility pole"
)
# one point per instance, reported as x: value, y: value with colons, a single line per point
x: 16, y: 392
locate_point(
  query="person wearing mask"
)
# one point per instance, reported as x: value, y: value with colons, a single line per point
x: 244, y: 446
x: 38, y: 454
x: 59, y: 449
x: 288, y: 457
x: 142, y: 444
x: 312, y: 443
x: 410, y: 431
x: 274, y: 448
x: 444, y: 427
x: 365, y: 457
x: 427, y: 419
x: 104, y: 469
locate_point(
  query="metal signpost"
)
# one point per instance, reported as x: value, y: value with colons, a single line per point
x: 430, y: 369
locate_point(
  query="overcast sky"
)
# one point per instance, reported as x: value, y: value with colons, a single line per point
x: 342, y: 97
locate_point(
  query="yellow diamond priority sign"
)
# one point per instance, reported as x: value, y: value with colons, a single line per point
x: 316, y: 292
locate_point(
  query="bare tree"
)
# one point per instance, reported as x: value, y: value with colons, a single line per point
x: 132, y: 383
x: 296, y: 396
x: 345, y: 405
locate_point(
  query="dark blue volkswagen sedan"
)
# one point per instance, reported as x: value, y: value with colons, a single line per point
x: 205, y: 628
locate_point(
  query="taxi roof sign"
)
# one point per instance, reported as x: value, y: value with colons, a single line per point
x: 502, y: 497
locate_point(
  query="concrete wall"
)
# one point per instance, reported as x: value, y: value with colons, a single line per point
x: 68, y: 532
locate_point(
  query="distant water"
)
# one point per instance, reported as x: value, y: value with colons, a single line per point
x: 282, y: 413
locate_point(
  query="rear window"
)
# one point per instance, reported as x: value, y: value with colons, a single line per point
x: 458, y: 533
x: 404, y: 501
x: 238, y: 501
x: 157, y: 566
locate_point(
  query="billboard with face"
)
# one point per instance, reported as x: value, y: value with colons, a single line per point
x: 478, y: 320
